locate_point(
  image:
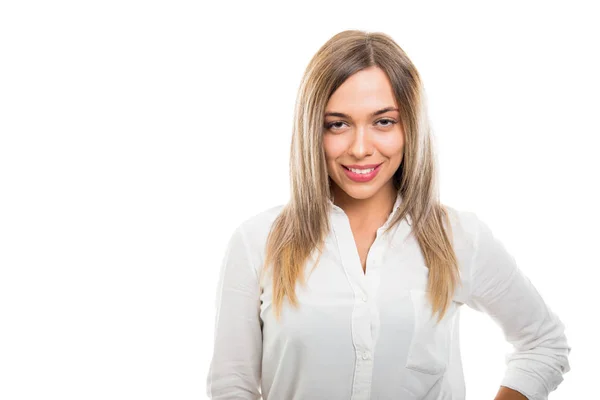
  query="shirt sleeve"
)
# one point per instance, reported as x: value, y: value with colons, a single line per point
x: 500, y: 289
x: 235, y: 368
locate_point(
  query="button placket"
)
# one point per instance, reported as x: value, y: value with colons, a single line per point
x: 363, y: 311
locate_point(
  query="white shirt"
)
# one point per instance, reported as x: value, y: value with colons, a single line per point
x: 362, y: 336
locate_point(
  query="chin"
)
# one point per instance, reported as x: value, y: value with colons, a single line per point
x: 361, y: 193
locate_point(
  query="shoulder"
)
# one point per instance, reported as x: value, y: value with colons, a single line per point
x: 255, y: 230
x: 260, y: 223
x: 465, y: 225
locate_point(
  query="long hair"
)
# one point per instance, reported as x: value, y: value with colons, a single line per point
x: 303, y: 222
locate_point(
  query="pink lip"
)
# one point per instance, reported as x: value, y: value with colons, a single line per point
x: 356, y: 166
x: 362, y: 177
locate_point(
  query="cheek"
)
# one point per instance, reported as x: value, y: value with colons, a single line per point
x: 333, y: 148
x: 391, y: 146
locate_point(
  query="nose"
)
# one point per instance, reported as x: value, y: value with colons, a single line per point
x: 362, y: 143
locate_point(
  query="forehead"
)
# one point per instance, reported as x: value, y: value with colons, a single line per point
x: 363, y: 92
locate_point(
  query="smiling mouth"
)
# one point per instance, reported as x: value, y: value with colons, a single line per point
x: 364, y: 168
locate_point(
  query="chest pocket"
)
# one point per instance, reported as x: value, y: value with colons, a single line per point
x: 429, y: 350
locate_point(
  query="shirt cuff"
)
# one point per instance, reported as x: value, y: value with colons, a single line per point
x: 527, y: 384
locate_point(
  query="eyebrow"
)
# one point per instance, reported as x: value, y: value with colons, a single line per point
x: 342, y: 115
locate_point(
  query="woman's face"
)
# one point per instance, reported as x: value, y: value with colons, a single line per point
x: 361, y: 138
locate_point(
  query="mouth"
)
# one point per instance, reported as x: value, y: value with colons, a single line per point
x: 365, y: 175
x: 362, y: 167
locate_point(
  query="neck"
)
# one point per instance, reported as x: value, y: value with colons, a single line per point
x: 370, y: 212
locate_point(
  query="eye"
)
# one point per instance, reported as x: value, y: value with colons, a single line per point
x: 388, y: 122
x: 330, y: 125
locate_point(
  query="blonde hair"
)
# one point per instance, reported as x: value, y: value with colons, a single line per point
x: 303, y: 223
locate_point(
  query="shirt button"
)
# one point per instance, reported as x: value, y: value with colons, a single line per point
x: 365, y: 298
x: 365, y: 355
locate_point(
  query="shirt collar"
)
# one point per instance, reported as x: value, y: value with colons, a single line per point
x: 338, y: 210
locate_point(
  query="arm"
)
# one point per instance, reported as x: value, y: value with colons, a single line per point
x: 235, y: 369
x: 509, y: 394
x: 500, y: 289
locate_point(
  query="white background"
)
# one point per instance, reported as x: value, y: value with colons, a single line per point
x: 135, y: 136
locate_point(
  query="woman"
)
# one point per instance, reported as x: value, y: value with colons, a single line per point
x: 376, y: 315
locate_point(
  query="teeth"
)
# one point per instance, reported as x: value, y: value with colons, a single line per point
x: 361, y: 171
